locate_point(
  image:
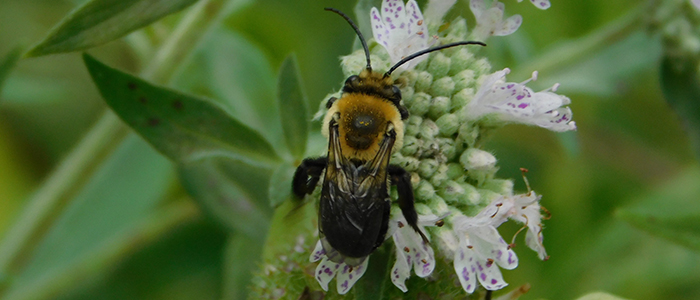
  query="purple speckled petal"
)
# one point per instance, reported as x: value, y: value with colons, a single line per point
x: 464, y: 261
x: 325, y: 271
x: 416, y: 22
x: 401, y: 270
x: 347, y: 278
x: 318, y: 252
x: 378, y: 29
x: 508, y: 26
x: 478, y: 7
x: 544, y: 4
x: 489, y: 243
x: 489, y: 275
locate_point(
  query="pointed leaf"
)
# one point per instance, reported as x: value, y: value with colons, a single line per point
x: 672, y: 212
x: 99, y: 21
x: 680, y: 84
x: 234, y: 192
x: 241, y: 78
x: 280, y: 188
x: 293, y: 107
x: 181, y: 126
x: 7, y: 63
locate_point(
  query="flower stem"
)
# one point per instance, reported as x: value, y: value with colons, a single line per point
x: 572, y: 52
x: 44, y: 205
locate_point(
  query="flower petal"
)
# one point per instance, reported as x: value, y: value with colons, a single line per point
x: 325, y: 271
x: 478, y: 7
x: 489, y: 243
x: 416, y: 23
x: 401, y: 270
x: 534, y: 239
x: 348, y: 276
x: 509, y: 26
x: 489, y: 275
x: 318, y: 252
x: 435, y: 10
x: 544, y: 4
x: 380, y: 33
x: 465, y: 266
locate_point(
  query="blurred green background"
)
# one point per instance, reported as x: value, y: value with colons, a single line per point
x: 630, y: 152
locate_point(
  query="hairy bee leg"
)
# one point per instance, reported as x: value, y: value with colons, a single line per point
x: 402, y: 180
x: 301, y: 183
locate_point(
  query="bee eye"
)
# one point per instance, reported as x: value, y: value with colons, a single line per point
x: 396, y: 91
x: 392, y: 93
x: 352, y: 81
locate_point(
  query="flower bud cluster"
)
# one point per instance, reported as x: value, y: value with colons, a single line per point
x: 441, y: 149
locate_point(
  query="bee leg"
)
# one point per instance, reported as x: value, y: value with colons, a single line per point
x: 402, y: 180
x: 301, y: 183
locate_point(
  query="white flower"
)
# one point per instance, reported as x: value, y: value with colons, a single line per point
x: 400, y: 29
x: 326, y: 270
x: 481, y: 248
x: 435, y: 10
x: 489, y: 20
x: 514, y: 102
x: 526, y: 209
x: 696, y: 3
x: 544, y: 4
x: 411, y: 251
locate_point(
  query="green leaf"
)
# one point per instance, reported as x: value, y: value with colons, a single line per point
x: 280, y: 188
x: 672, y: 212
x: 243, y: 256
x: 7, y: 63
x: 99, y: 21
x: 293, y: 107
x: 680, y: 84
x: 242, y: 79
x: 233, y: 191
x: 127, y: 187
x: 182, y: 127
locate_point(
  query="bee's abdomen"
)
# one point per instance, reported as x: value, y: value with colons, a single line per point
x: 354, y: 227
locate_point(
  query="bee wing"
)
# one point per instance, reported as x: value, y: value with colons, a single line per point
x: 354, y: 207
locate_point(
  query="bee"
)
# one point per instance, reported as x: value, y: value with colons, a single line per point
x: 364, y: 127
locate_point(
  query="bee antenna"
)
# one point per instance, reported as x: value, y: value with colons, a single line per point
x: 426, y: 51
x: 357, y: 30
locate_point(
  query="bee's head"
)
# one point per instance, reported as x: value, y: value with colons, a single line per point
x: 373, y: 83
x: 369, y: 108
x: 370, y: 105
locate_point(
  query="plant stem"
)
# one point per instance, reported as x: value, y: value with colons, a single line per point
x: 571, y: 52
x: 56, y: 191
x: 141, y: 234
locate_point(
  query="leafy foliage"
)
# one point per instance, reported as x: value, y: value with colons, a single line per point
x: 100, y: 21
x: 183, y: 127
